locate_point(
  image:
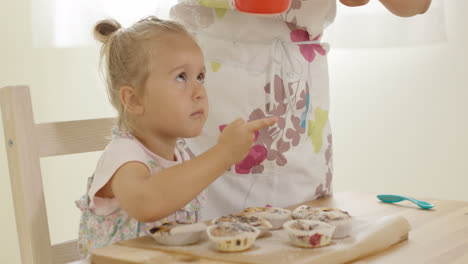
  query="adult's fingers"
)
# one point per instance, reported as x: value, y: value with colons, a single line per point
x: 353, y: 3
x: 260, y: 123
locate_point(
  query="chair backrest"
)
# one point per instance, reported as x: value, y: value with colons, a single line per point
x: 26, y: 143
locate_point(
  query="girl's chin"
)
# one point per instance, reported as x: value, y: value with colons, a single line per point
x: 193, y: 133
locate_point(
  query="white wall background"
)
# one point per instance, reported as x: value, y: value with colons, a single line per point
x: 398, y: 115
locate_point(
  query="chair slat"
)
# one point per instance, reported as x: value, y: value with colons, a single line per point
x: 65, y: 252
x: 70, y: 137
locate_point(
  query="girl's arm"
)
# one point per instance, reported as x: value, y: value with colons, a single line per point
x: 403, y: 8
x: 149, y: 198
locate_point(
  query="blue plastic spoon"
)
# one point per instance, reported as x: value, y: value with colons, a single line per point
x: 391, y: 198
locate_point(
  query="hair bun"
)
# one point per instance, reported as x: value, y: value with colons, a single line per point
x: 105, y: 28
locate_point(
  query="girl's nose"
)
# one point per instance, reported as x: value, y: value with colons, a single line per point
x: 198, y: 92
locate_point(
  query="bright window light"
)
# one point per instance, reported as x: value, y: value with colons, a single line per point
x: 70, y: 22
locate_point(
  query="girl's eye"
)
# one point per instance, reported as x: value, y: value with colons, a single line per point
x: 201, y: 77
x: 181, y: 77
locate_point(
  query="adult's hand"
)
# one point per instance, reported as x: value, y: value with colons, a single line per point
x: 354, y: 2
x: 403, y: 8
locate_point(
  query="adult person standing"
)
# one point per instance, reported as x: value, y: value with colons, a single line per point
x: 270, y: 65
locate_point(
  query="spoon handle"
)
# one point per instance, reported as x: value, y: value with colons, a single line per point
x: 392, y: 198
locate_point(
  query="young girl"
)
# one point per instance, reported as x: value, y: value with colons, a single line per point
x: 155, y: 79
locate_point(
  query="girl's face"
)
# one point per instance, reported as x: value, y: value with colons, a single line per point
x: 175, y: 101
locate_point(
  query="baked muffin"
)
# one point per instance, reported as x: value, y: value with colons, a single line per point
x: 262, y: 224
x: 309, y: 233
x: 232, y: 236
x: 341, y: 219
x: 275, y: 215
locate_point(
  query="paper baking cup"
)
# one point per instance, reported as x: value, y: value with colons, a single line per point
x: 238, y: 242
x: 319, y: 236
x: 180, y: 234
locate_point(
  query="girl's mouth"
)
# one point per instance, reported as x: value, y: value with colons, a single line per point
x: 198, y: 113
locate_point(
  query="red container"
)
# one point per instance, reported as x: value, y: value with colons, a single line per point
x: 264, y: 7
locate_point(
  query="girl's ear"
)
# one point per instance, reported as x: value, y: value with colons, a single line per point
x: 131, y: 101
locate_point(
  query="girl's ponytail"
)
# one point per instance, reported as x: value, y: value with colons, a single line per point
x: 104, y: 29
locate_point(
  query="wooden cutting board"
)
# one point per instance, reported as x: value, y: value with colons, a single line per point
x: 367, y: 237
x: 374, y: 233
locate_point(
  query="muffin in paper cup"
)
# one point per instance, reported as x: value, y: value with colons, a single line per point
x: 341, y: 219
x: 262, y: 224
x: 176, y: 234
x: 275, y: 215
x: 309, y: 233
x: 232, y: 236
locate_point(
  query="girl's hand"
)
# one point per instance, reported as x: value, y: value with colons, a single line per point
x: 238, y: 137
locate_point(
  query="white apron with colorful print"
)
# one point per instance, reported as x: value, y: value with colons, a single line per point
x: 261, y: 66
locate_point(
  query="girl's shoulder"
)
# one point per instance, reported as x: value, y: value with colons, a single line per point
x: 121, y: 149
x: 123, y: 144
x: 121, y: 139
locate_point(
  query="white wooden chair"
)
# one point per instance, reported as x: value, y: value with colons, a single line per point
x: 26, y: 143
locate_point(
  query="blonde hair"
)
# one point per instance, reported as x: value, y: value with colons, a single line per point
x: 125, y: 56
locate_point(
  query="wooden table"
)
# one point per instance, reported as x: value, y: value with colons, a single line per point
x: 438, y: 235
